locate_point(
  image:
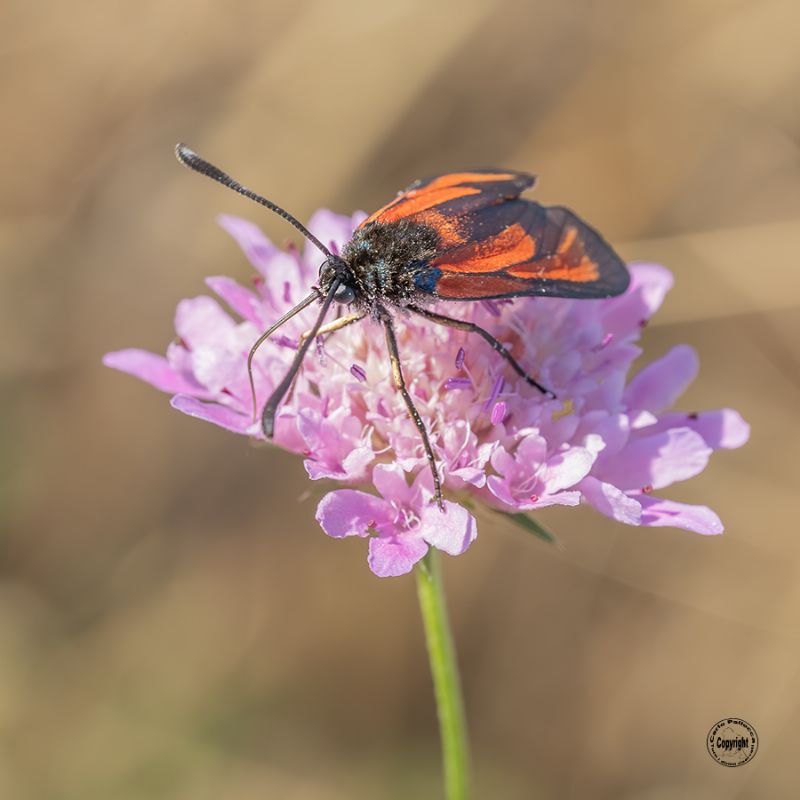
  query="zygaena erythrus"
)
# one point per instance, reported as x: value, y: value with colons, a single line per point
x: 459, y: 236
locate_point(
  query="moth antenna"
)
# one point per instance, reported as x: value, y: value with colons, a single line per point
x: 193, y: 161
x: 271, y: 407
x: 315, y: 295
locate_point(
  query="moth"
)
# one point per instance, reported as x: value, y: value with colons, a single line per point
x: 461, y: 236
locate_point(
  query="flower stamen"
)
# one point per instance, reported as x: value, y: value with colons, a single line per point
x: 498, y: 412
x: 496, y: 389
x: 358, y: 373
x: 457, y: 383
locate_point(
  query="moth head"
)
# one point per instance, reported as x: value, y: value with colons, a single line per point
x: 334, y: 268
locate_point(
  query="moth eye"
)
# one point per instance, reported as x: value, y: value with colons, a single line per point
x: 345, y: 294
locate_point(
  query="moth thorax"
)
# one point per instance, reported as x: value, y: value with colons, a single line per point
x: 384, y: 259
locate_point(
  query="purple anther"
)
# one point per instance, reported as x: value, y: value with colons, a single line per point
x: 498, y: 412
x: 457, y: 383
x: 358, y: 372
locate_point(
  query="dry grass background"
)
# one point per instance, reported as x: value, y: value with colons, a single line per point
x: 172, y: 622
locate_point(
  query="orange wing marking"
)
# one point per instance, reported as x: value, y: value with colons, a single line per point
x: 456, y: 178
x: 447, y: 227
x: 414, y: 202
x: 567, y: 240
x: 454, y: 287
x: 511, y: 246
x: 554, y: 268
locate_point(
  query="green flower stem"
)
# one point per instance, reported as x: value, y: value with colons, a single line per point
x: 446, y: 683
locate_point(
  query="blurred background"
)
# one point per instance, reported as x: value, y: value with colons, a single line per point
x: 173, y: 623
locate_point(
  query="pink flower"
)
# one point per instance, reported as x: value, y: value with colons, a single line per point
x: 401, y: 523
x: 602, y: 442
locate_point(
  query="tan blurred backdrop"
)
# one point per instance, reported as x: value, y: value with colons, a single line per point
x: 173, y: 623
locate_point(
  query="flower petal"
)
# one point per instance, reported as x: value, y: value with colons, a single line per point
x: 244, y: 302
x: 564, y: 470
x: 557, y: 499
x: 212, y: 412
x: 623, y: 315
x: 724, y: 429
x: 153, y: 369
x: 201, y: 321
x: 612, y: 502
x: 390, y: 481
x: 258, y: 249
x: 661, y: 383
x: 652, y: 281
x: 657, y: 512
x: 348, y: 512
x: 454, y: 531
x: 351, y: 468
x: 336, y: 445
x: 216, y: 368
x: 473, y: 476
x: 658, y: 460
x: 613, y: 430
x: 508, y: 500
x: 395, y: 555
x: 328, y: 227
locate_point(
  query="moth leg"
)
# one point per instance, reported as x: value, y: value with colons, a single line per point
x: 400, y: 385
x: 335, y: 325
x: 471, y: 327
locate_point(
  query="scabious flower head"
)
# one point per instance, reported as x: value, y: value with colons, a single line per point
x: 605, y: 441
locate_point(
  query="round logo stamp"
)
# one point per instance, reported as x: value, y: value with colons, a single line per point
x: 732, y: 742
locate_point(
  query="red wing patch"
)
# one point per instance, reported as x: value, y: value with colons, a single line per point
x: 526, y: 249
x: 451, y: 286
x: 420, y: 201
x: 460, y: 178
x: 512, y: 245
x: 476, y: 189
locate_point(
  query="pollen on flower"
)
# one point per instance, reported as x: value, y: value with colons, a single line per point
x: 610, y: 437
x: 566, y: 409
